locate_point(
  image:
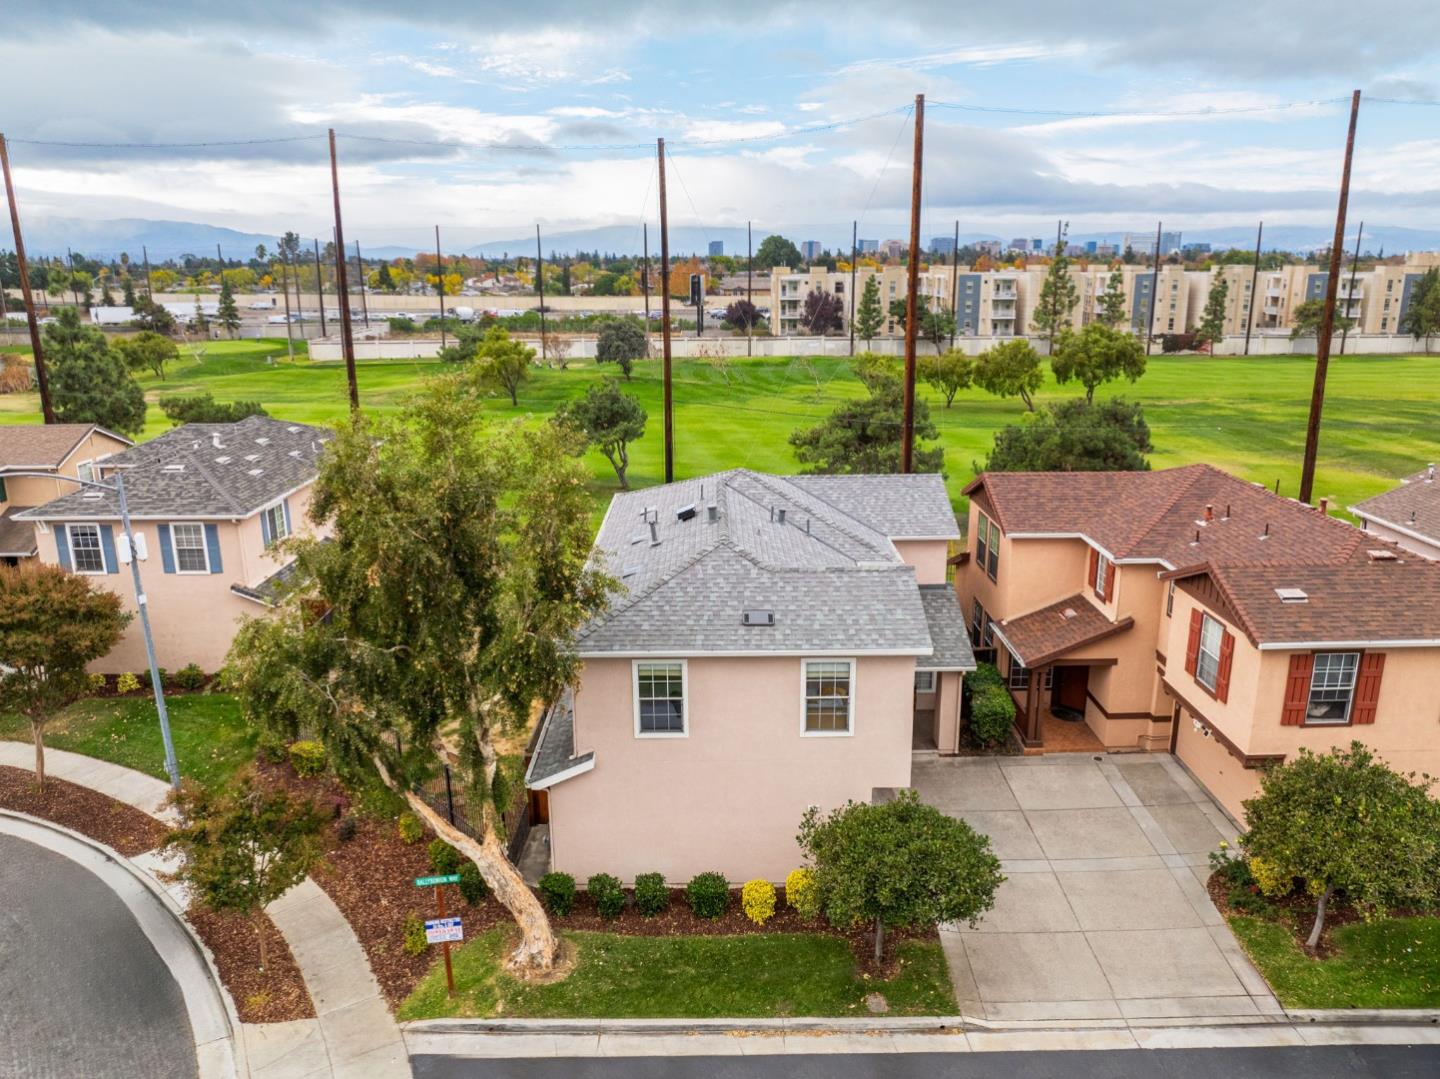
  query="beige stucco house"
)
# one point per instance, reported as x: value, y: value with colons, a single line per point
x: 211, y: 501
x: 779, y: 642
x: 1191, y: 612
x: 75, y: 450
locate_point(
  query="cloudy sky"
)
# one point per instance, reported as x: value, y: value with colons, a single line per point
x: 487, y: 118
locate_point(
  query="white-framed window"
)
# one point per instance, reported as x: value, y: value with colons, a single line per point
x: 1207, y: 664
x: 275, y: 525
x: 1019, y: 676
x: 662, y: 706
x: 191, y: 553
x: 86, y: 554
x: 1102, y: 574
x: 1332, y: 687
x: 987, y: 545
x: 977, y: 622
x: 85, y: 470
x: 924, y: 681
x: 827, y: 687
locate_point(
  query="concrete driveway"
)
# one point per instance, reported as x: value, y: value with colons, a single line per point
x: 1104, y: 913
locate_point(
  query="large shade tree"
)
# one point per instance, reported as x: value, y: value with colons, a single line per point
x: 88, y: 380
x: 451, y: 587
x: 609, y: 419
x: 1075, y: 436
x: 864, y: 436
x: 1096, y: 355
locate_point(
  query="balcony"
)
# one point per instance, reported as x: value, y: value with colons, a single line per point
x: 1004, y: 290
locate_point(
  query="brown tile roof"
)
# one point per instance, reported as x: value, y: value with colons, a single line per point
x: 1050, y: 632
x: 1363, y: 601
x: 1161, y: 516
x: 1414, y: 505
x: 37, y: 445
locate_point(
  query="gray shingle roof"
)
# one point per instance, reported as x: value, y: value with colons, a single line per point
x: 834, y: 582
x: 555, y: 753
x: 204, y: 470
x: 913, y: 506
x: 948, y: 632
x: 17, y: 538
x: 1413, y: 506
x: 271, y: 588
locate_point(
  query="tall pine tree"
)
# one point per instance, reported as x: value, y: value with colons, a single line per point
x: 1058, y: 297
x: 868, y: 316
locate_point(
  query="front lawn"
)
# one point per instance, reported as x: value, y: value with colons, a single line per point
x: 688, y: 977
x: 212, y: 741
x: 1390, y: 963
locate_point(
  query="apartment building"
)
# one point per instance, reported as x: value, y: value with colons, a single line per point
x: 788, y: 291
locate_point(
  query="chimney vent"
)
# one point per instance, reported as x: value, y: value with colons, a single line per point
x: 712, y: 513
x: 1209, y: 513
x: 215, y: 440
x: 1430, y: 473
x: 654, y: 534
x: 780, y: 515
x: 1325, y: 505
x: 1266, y: 534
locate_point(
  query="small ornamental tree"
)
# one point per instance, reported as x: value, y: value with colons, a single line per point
x: 52, y: 624
x: 609, y: 419
x: 621, y: 341
x: 950, y: 372
x: 149, y: 315
x: 822, y: 313
x: 899, y: 865
x: 868, y: 315
x: 1112, y: 300
x: 742, y: 315
x: 1095, y: 355
x: 245, y: 847
x: 864, y: 436
x: 1010, y: 369
x: 1344, y: 821
x: 147, y: 351
x: 502, y: 363
x: 1306, y: 318
x: 227, y: 314
x: 1075, y: 436
x: 1422, y: 316
x: 1212, y: 321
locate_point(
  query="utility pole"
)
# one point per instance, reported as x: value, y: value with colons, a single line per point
x: 665, y: 317
x: 645, y: 278
x: 41, y: 378
x: 347, y: 336
x: 149, y: 290
x: 440, y: 283
x: 907, y: 433
x: 320, y: 286
x: 750, y: 293
x: 219, y: 258
x: 854, y: 269
x: 285, y: 288
x: 1350, y: 294
x: 1327, y: 318
x: 1254, y: 286
x: 360, y: 273
x: 70, y: 269
x: 540, y: 284
x: 1154, y: 290
x: 955, y: 284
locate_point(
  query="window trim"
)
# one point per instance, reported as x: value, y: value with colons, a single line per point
x: 1170, y: 600
x: 635, y: 665
x: 273, y: 507
x: 849, y: 731
x: 1099, y: 584
x: 204, y: 547
x: 1349, y: 719
x: 99, y: 547
x: 82, y: 466
x: 930, y: 676
x: 1206, y: 619
x: 1015, y: 667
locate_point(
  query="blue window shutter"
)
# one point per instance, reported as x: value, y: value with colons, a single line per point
x: 62, y: 547
x: 107, y: 549
x: 212, y: 544
x: 285, y: 505
x: 264, y: 529
x: 167, y: 550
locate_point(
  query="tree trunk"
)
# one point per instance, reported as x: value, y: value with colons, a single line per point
x: 264, y: 942
x: 1314, y: 940
x: 879, y: 941
x: 37, y: 730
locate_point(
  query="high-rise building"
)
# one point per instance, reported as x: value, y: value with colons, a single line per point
x: 1092, y: 247
x: 1037, y: 245
x: 892, y: 249
x: 942, y: 245
x: 1143, y: 243
x: 717, y: 247
x: 1020, y: 244
x: 810, y: 249
x: 866, y: 247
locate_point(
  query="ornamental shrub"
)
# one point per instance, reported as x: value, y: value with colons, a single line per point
x: 443, y: 857
x: 800, y: 893
x: 190, y: 676
x: 415, y: 942
x: 96, y: 682
x: 308, y: 759
x: 557, y: 891
x: 1269, y: 878
x: 410, y: 828
x: 272, y: 747
x: 651, y: 894
x: 757, y: 900
x: 473, y: 888
x: 149, y: 682
x: 609, y: 897
x: 708, y: 895
x: 992, y: 714
x: 983, y: 677
x: 127, y: 683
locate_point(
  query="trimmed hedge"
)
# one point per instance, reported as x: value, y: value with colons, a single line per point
x: 992, y: 714
x: 307, y: 758
x: 757, y: 900
x: 557, y: 891
x: 708, y: 895
x: 651, y: 894
x: 607, y: 893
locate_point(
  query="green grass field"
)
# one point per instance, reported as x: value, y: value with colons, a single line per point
x: 744, y: 976
x: 1243, y: 415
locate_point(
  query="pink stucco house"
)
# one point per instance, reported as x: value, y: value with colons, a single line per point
x: 1190, y: 612
x: 211, y: 500
x: 779, y: 642
x: 58, y: 450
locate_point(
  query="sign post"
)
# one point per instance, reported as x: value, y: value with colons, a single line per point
x: 442, y: 930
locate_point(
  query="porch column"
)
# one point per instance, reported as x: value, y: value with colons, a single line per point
x: 1032, y: 711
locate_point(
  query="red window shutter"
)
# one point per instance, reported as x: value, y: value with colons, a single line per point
x: 1107, y: 585
x: 1222, y: 677
x: 1094, y: 563
x: 1367, y: 687
x: 1297, y: 689
x: 1192, y: 650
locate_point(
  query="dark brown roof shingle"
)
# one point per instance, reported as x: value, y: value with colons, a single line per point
x: 1063, y: 626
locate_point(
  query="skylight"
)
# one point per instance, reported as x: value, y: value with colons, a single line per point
x: 1292, y: 595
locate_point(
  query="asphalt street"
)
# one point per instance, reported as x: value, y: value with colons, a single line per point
x: 82, y: 991
x: 1330, y: 1062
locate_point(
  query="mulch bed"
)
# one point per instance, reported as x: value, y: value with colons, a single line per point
x: 274, y: 995
x: 102, y: 818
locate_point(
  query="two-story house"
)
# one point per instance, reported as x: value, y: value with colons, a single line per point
x: 1189, y: 611
x: 777, y: 643
x: 57, y: 449
x: 211, y: 500
x: 1407, y: 515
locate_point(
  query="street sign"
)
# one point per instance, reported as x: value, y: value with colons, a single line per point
x: 443, y: 930
x: 446, y: 878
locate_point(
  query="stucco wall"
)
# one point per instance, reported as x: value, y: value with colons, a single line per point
x: 1429, y: 550
x: 927, y: 556
x: 32, y: 491
x: 730, y: 795
x: 1227, y: 780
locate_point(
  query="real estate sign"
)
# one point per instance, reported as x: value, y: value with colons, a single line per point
x: 443, y: 930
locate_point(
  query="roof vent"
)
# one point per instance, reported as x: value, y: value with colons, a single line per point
x: 293, y: 428
x: 1292, y: 595
x: 262, y: 441
x: 757, y: 618
x: 256, y: 471
x: 654, y: 534
x: 629, y: 571
x: 712, y: 513
x: 1430, y: 473
x: 1382, y: 555
x: 1068, y: 613
x: 215, y: 440
x: 92, y: 496
x: 780, y: 515
x: 222, y: 460
x: 252, y: 457
x: 637, y: 537
x: 173, y: 468
x: 685, y: 513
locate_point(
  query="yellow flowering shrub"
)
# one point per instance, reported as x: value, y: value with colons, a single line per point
x: 1270, y: 878
x: 757, y: 900
x: 800, y: 893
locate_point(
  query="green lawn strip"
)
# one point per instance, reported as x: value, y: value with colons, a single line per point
x: 1390, y: 963
x: 696, y: 977
x: 212, y: 741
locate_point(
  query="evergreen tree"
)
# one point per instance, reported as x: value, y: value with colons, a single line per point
x: 864, y: 436
x: 89, y: 382
x: 1422, y: 317
x: 1112, y: 300
x: 1058, y: 297
x: 228, y: 314
x: 128, y: 287
x: 868, y: 316
x: 1212, y: 322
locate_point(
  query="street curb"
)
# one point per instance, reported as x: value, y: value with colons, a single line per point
x: 1366, y: 1016
x: 216, y: 1058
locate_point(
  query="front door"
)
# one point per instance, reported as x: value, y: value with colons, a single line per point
x: 1070, y: 686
